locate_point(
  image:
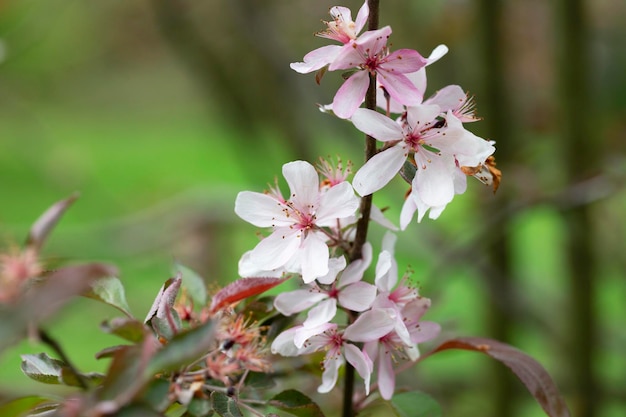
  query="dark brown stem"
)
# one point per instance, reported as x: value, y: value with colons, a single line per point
x: 365, y: 209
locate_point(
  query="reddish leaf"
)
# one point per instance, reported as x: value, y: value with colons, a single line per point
x: 241, y: 289
x: 45, y: 298
x: 46, y: 222
x: 529, y: 371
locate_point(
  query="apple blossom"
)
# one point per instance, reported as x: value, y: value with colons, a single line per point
x: 341, y: 29
x: 368, y: 54
x: 298, y: 240
x: 437, y: 143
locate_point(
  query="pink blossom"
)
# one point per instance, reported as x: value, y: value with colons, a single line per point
x: 341, y: 29
x: 297, y: 242
x: 348, y: 291
x: 436, y: 142
x: 368, y: 54
x: 326, y: 338
x: 388, y: 349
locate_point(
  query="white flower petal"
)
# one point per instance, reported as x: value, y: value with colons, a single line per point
x: 314, y: 257
x: 419, y: 116
x: 332, y: 363
x: 261, y: 210
x: 283, y: 343
x: 247, y: 268
x: 433, y: 180
x: 316, y: 59
x: 354, y: 272
x: 335, y: 265
x: 379, y: 170
x: 408, y: 209
x: 288, y: 303
x: 276, y: 250
x: 371, y: 325
x: 358, y: 296
x: 337, y: 203
x: 379, y: 217
x: 302, y: 334
x: 376, y: 125
x: 322, y: 313
x: 303, y: 183
x: 437, y: 54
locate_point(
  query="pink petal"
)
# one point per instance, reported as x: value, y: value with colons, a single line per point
x: 373, y: 41
x: 316, y: 59
x: 386, y: 376
x: 350, y: 95
x: 371, y: 325
x: 361, y: 362
x: 403, y: 61
x: 361, y: 17
x: 399, y: 87
x: 314, y: 256
x: 337, y: 203
x: 379, y: 170
x: 377, y: 125
x: 448, y: 98
x: 261, y: 210
x: 427, y: 330
x: 303, y: 183
x: 358, y: 296
x: 288, y: 303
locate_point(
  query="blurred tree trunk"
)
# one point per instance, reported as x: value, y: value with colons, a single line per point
x: 499, y: 126
x: 582, y: 160
x: 247, y: 80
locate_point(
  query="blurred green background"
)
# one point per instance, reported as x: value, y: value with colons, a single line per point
x: 160, y: 111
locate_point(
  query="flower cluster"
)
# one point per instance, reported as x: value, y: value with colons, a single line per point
x: 313, y: 230
x: 389, y: 323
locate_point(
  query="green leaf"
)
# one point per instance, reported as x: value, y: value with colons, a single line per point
x: 184, y: 348
x: 126, y: 328
x: 135, y: 410
x: 43, y: 368
x: 296, y: 403
x: 194, y: 283
x: 156, y: 395
x: 19, y: 406
x: 69, y: 378
x: 415, y: 404
x: 408, y: 172
x: 110, y: 291
x: 224, y: 405
x: 200, y: 407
